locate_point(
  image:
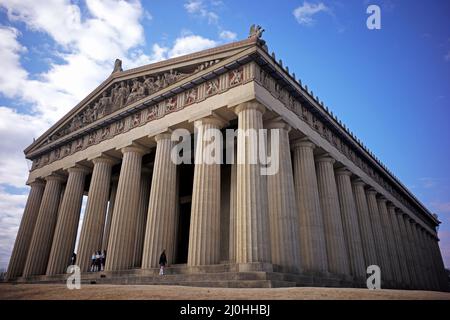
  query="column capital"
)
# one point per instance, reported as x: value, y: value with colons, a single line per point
x: 213, y: 120
x: 55, y: 177
x: 134, y: 147
x: 277, y: 123
x: 390, y: 205
x: 343, y: 172
x: 381, y: 198
x: 250, y: 105
x: 37, y: 182
x: 371, y: 190
x: 103, y: 158
x: 303, y: 143
x: 325, y: 158
x: 78, y: 168
x: 358, y: 182
x: 163, y: 136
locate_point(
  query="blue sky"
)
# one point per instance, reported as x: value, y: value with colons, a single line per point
x: 389, y: 86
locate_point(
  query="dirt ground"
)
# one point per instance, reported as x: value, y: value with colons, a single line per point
x: 140, y: 292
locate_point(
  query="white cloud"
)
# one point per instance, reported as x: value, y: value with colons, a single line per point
x: 198, y: 8
x: 11, y: 209
x: 190, y: 43
x: 305, y: 13
x: 19, y: 130
x: 227, y: 35
x: 88, y: 47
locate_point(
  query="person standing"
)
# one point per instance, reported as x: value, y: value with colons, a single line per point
x: 73, y: 260
x: 93, y: 262
x: 162, y: 262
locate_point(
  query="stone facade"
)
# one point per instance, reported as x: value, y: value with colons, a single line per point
x: 331, y: 210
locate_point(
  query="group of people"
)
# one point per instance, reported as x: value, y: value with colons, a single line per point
x: 98, y: 260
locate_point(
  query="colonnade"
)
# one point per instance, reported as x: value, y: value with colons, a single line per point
x: 313, y: 216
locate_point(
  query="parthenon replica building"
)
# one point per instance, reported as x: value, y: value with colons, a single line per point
x: 329, y: 211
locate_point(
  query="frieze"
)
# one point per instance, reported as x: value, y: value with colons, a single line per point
x: 124, y: 93
x: 175, y: 103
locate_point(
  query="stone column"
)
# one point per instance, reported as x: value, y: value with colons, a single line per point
x: 313, y: 248
x: 435, y: 266
x: 162, y: 217
x: 283, y: 214
x: 380, y: 239
x: 27, y: 224
x: 253, y: 233
x: 67, y: 224
x: 119, y: 255
x: 431, y: 276
x: 350, y: 224
x: 365, y: 223
x: 141, y: 221
x: 337, y: 253
x: 420, y: 255
x: 41, y: 242
x: 408, y: 251
x: 233, y: 210
x: 204, y: 232
x: 404, y: 268
x: 409, y: 229
x: 439, y: 263
x: 389, y: 234
x: 95, y: 213
x: 414, y: 265
x: 112, y: 200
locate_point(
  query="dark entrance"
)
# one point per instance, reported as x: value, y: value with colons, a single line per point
x: 186, y: 178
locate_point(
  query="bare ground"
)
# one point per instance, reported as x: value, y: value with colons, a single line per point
x: 157, y: 292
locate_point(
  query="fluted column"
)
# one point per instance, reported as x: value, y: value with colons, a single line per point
x: 337, y: 253
x: 431, y: 276
x: 313, y: 248
x: 439, y: 263
x: 253, y: 234
x: 41, y: 242
x: 409, y: 229
x: 283, y: 214
x: 162, y: 213
x: 141, y: 221
x: 95, y: 213
x: 350, y: 223
x: 26, y: 228
x: 408, y: 251
x: 420, y: 255
x: 204, y: 232
x: 67, y: 224
x: 233, y: 210
x: 112, y: 200
x: 433, y: 264
x: 119, y: 255
x: 415, y: 265
x: 380, y: 239
x: 389, y: 234
x: 365, y: 223
x: 404, y: 268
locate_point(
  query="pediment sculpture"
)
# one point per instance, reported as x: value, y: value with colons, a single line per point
x: 121, y: 94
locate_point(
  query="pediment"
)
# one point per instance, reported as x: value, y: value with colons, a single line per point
x: 126, y: 88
